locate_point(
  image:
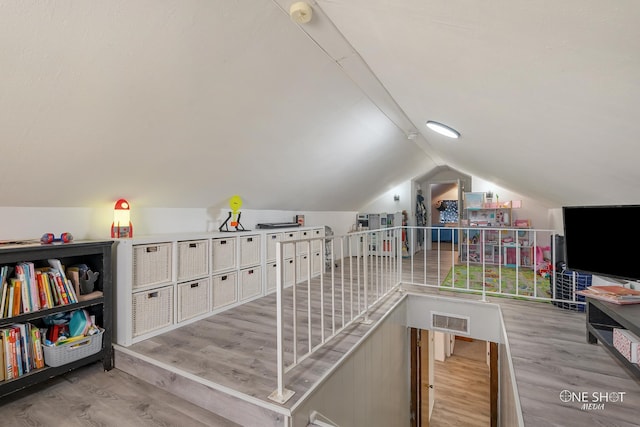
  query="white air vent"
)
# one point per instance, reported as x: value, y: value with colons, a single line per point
x: 446, y: 322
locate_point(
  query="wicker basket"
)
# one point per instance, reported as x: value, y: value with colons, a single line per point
x: 193, y: 259
x: 59, y: 355
x: 223, y: 252
x: 152, y: 310
x: 151, y: 264
x: 193, y: 299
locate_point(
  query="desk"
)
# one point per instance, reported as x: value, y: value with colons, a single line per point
x: 603, y: 317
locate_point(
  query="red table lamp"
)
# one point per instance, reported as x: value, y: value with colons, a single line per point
x: 121, y: 226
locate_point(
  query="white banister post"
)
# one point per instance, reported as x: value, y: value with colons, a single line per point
x: 281, y: 394
x: 365, y: 276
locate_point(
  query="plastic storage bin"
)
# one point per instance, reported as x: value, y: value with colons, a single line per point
x: 59, y: 355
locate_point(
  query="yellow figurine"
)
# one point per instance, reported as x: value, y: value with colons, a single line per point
x: 235, y: 203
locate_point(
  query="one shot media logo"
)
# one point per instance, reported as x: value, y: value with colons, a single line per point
x: 592, y: 400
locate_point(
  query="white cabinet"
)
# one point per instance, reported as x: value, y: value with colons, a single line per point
x: 164, y: 282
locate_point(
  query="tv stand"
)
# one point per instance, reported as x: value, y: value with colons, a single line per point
x: 603, y: 317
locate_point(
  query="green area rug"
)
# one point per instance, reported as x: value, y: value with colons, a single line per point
x: 472, y: 278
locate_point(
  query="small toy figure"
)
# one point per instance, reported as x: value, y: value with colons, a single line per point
x: 235, y: 203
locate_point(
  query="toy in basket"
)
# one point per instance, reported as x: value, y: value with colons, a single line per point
x: 72, y: 349
x: 80, y: 338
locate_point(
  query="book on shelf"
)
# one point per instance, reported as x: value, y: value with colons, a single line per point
x: 22, y: 347
x: 2, y: 371
x: 36, y: 342
x: 8, y: 344
x: 612, y: 293
x: 4, y: 284
x: 16, y: 296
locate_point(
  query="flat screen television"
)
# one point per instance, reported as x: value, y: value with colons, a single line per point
x: 602, y: 240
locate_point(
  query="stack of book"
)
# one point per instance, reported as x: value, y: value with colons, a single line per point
x: 20, y: 350
x: 34, y: 288
x: 614, y: 294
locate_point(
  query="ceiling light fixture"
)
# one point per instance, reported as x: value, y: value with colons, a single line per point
x: 443, y: 129
x: 301, y: 12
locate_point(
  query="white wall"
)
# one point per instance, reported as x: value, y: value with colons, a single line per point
x: 484, y: 318
x: 555, y: 220
x: 531, y: 209
x: 385, y: 203
x: 340, y: 222
x: 21, y: 223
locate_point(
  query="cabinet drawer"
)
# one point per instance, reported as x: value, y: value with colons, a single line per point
x: 302, y: 248
x: 316, y: 245
x: 250, y: 282
x: 317, y: 260
x: 289, y: 272
x: 272, y: 268
x: 151, y: 264
x: 193, y: 259
x: 224, y: 290
x: 272, y: 238
x: 303, y: 266
x: 249, y: 251
x: 288, y: 236
x: 223, y: 253
x: 193, y: 299
x: 152, y: 310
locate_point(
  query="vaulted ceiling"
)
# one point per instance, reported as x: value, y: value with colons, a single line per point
x: 182, y: 103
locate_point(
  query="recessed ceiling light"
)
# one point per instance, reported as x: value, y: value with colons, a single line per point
x: 443, y: 129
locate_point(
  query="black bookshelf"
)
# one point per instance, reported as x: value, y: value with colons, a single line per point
x: 97, y: 255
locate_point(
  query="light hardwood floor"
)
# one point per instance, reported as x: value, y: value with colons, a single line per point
x: 90, y: 396
x: 547, y: 344
x: 462, y: 388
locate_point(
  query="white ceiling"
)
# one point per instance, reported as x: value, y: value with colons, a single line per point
x: 182, y: 103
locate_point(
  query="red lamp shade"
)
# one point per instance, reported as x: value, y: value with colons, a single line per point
x: 121, y: 226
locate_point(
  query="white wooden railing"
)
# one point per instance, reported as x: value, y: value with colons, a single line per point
x: 361, y: 268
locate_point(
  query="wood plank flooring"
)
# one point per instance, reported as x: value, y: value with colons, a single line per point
x: 461, y: 390
x: 90, y: 396
x: 236, y: 349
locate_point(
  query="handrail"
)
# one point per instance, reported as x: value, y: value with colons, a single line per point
x: 367, y: 283
x: 362, y: 268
